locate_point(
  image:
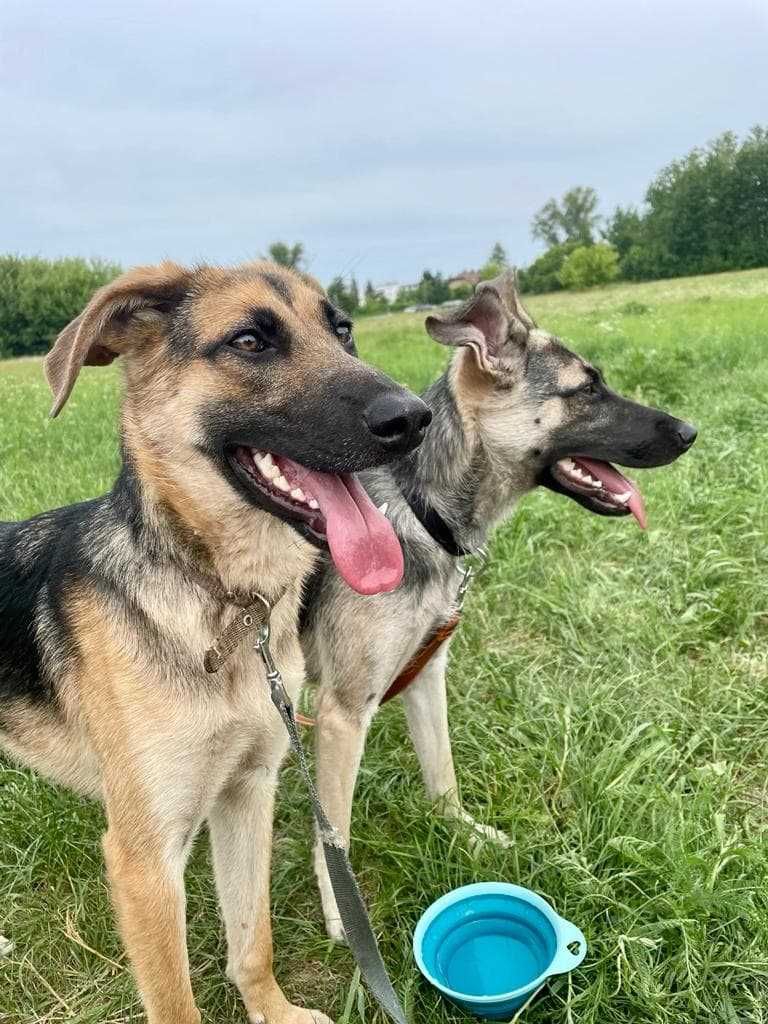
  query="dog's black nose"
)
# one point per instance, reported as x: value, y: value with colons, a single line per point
x: 397, y: 420
x: 687, y: 435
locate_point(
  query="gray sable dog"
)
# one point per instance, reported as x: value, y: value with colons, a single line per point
x: 514, y: 410
x: 245, y: 417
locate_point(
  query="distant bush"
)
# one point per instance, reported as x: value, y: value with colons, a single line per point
x: 633, y: 308
x: 462, y: 291
x: 590, y: 265
x: 39, y: 297
x: 431, y: 290
x: 543, y: 275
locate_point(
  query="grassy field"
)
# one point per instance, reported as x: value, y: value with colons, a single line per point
x: 609, y: 697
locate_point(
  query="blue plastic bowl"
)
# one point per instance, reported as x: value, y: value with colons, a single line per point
x: 488, y: 947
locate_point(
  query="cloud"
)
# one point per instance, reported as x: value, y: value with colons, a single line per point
x: 387, y: 139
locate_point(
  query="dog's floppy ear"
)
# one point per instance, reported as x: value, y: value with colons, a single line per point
x: 109, y: 324
x: 484, y: 322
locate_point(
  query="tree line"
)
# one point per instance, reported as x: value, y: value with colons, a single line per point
x: 705, y: 212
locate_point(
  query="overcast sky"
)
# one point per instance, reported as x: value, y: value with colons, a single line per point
x: 387, y: 137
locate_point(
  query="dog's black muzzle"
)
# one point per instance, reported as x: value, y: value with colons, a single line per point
x: 646, y: 437
x: 629, y: 434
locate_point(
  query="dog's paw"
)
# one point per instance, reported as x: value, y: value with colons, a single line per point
x: 481, y: 835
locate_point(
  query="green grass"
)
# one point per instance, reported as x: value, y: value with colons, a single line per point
x: 609, y: 694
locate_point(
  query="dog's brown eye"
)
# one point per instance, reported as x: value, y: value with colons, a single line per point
x: 249, y: 342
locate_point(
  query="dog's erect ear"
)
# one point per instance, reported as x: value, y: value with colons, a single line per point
x: 507, y: 287
x: 484, y: 323
x: 109, y: 324
x: 481, y: 324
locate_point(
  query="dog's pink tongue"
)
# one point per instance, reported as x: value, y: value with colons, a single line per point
x: 615, y: 482
x: 363, y: 544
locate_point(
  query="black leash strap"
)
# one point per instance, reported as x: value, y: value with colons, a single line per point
x: 354, y: 916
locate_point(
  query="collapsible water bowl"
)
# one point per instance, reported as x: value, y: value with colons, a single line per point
x: 489, y: 947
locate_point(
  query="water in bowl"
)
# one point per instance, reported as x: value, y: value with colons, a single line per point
x: 495, y: 944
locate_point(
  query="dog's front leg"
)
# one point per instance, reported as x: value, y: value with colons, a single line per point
x: 426, y: 707
x: 145, y: 859
x: 339, y: 744
x: 241, y: 838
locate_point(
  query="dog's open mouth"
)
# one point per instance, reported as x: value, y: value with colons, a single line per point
x: 334, y: 509
x: 599, y: 486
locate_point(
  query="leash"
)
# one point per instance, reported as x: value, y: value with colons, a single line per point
x: 254, y: 619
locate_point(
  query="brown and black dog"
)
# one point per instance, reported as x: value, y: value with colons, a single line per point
x: 245, y: 415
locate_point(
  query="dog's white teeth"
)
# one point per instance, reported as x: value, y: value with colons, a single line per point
x: 568, y: 464
x: 280, y: 482
x: 266, y: 465
x: 623, y: 498
x: 297, y: 494
x: 384, y: 508
x: 313, y: 503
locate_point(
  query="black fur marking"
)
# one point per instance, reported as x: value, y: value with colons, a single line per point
x: 39, y: 559
x: 280, y: 287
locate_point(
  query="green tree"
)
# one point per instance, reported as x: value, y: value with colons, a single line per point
x: 463, y: 290
x: 496, y: 263
x: 345, y: 296
x: 590, y: 265
x: 623, y: 229
x: 499, y: 255
x: 573, y: 218
x: 38, y: 298
x: 374, y: 301
x: 543, y: 275
x: 431, y: 290
x: 337, y: 292
x: 354, y: 297
x: 709, y: 210
x: 287, y: 255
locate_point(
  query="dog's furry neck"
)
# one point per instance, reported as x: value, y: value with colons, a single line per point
x: 226, y: 543
x: 454, y: 469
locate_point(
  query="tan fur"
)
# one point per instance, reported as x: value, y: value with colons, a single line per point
x: 471, y: 386
x: 572, y: 375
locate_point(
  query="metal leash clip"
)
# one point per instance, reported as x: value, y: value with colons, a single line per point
x: 275, y: 680
x: 472, y: 566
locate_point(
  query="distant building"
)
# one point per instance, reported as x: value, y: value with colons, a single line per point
x: 390, y: 290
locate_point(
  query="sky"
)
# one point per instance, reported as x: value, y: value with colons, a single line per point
x: 386, y: 137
